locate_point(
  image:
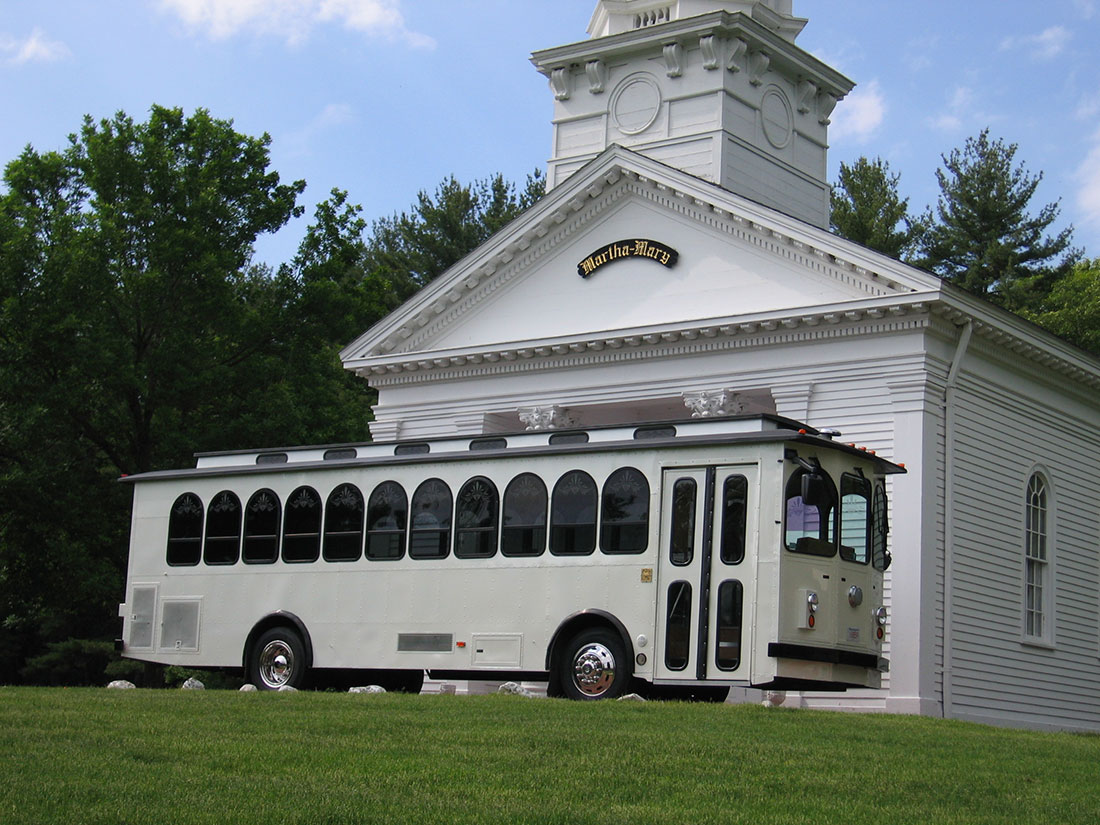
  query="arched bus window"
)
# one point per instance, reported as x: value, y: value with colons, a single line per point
x: 223, y: 529
x: 855, y: 518
x: 624, y: 513
x: 185, y: 531
x: 880, y: 528
x: 524, y: 529
x: 387, y: 520
x: 431, y: 521
x: 302, y: 526
x: 476, y: 511
x: 573, y: 515
x: 343, y: 539
x: 262, y: 515
x: 735, y: 496
x: 810, y: 523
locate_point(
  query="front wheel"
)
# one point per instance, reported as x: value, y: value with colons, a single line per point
x: 277, y: 659
x: 593, y: 665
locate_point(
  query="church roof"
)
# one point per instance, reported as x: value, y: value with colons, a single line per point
x: 744, y: 270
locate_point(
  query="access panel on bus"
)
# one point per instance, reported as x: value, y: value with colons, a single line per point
x: 706, y: 573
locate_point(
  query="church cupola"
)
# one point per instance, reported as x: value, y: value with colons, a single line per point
x: 716, y: 88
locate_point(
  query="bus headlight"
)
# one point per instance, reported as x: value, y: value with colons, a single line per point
x: 812, y: 601
x: 880, y: 616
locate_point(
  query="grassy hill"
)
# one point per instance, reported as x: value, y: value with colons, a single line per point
x: 99, y: 756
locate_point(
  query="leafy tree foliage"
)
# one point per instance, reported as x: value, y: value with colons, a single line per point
x: 411, y: 249
x: 985, y: 239
x: 1072, y: 308
x: 133, y: 331
x: 867, y: 209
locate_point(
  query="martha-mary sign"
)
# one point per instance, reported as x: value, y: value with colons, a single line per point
x: 621, y: 250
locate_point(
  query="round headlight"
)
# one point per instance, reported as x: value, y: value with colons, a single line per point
x: 880, y: 616
x: 812, y: 602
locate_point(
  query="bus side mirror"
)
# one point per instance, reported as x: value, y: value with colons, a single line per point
x: 813, y: 489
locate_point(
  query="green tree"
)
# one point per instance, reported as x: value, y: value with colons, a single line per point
x: 409, y: 250
x: 133, y: 332
x: 986, y: 239
x: 1072, y: 307
x: 867, y: 209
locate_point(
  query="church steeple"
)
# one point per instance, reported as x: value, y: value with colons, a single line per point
x: 717, y: 88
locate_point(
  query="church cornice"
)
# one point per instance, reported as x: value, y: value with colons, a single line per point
x: 733, y: 40
x: 852, y: 319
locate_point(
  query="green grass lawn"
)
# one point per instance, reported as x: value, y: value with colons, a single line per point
x: 97, y: 756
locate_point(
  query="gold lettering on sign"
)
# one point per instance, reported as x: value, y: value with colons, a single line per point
x: 636, y: 248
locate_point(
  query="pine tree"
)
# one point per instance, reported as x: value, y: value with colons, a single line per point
x: 985, y: 239
x: 867, y: 209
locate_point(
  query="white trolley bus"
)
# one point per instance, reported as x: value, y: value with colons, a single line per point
x: 680, y: 558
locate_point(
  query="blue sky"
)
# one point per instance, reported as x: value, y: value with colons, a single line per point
x: 387, y: 97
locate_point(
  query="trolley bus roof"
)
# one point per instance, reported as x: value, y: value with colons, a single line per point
x: 690, y: 432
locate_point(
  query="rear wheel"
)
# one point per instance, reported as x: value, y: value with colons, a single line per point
x: 277, y: 659
x: 593, y: 665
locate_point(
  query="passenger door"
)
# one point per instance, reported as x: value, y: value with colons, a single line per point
x: 705, y: 574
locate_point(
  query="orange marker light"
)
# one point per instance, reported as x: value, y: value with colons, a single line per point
x: 460, y: 644
x: 811, y: 621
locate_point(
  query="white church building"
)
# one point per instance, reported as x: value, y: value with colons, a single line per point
x: 681, y: 264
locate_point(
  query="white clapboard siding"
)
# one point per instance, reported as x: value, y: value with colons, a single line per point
x: 1001, y: 437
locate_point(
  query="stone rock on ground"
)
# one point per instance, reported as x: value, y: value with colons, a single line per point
x: 121, y: 684
x: 367, y: 689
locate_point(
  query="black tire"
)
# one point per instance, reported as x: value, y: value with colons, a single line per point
x: 278, y: 659
x: 593, y: 665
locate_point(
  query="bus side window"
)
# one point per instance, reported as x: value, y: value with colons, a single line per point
x: 476, y: 512
x: 302, y: 526
x: 855, y: 515
x: 223, y: 530
x: 185, y: 531
x: 262, y: 515
x: 624, y: 512
x: 809, y: 527
x: 343, y: 524
x: 524, y: 529
x: 387, y: 520
x: 880, y: 527
x: 573, y: 515
x: 431, y: 521
x: 735, y: 496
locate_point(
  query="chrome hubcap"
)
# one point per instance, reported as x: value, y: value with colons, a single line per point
x: 594, y: 669
x: 276, y: 664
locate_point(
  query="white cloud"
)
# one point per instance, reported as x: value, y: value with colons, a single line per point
x: 293, y: 19
x: 959, y: 106
x: 34, y: 49
x: 860, y: 114
x: 1086, y: 8
x: 1046, y: 45
x: 1088, y: 190
x: 331, y: 117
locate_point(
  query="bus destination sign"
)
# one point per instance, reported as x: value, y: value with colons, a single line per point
x: 620, y: 250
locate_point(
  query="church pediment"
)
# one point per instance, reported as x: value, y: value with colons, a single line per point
x: 663, y: 251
